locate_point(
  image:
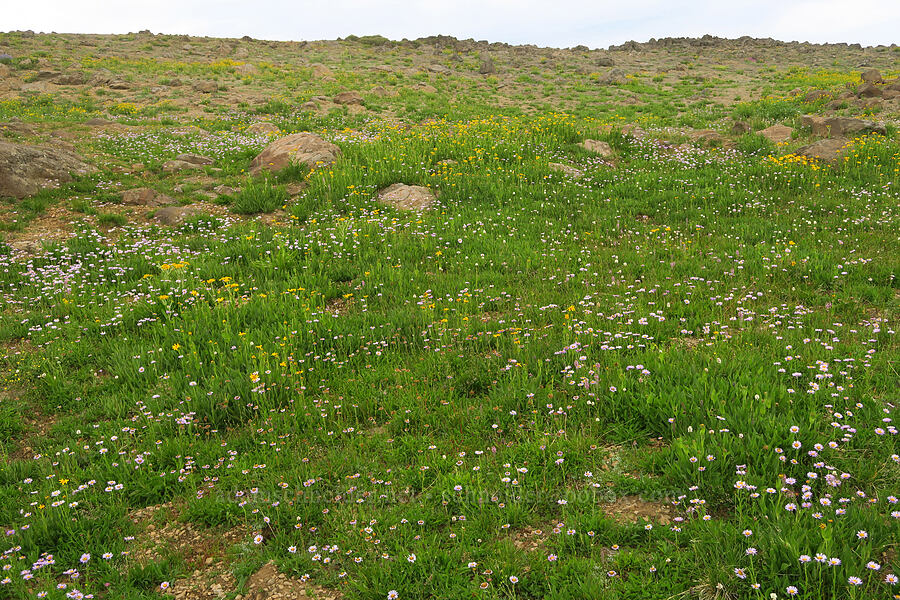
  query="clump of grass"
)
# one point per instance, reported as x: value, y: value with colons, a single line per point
x: 259, y: 197
x: 756, y: 144
x: 110, y: 219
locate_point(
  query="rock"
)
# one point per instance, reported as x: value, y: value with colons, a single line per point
x: 348, y: 98
x: 321, y: 71
x: 246, y: 69
x: 4, y: 71
x: 777, y: 134
x: 706, y: 137
x: 309, y: 106
x: 613, y: 77
x: 871, y: 76
x: 890, y: 94
x: 848, y: 127
x: 740, y: 128
x: 98, y: 122
x: 815, y: 123
x: 407, y: 197
x: 605, y: 61
x: 828, y: 150
x: 173, y: 166
x: 425, y: 88
x: 224, y: 190
x: 440, y: 69
x: 174, y: 215
x: 487, y: 66
x: 601, y: 148
x: 241, y: 53
x: 813, y: 95
x: 570, y: 171
x: 145, y: 197
x: 70, y: 79
x: 894, y: 85
x: 26, y: 169
x: 195, y: 159
x: 262, y: 128
x: 302, y: 148
x: 869, y: 90
x: 46, y: 75
x: 206, y: 87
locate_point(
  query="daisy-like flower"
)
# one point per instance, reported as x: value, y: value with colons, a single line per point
x: 552, y: 558
x: 805, y: 558
x: 873, y: 565
x: 483, y: 585
x: 84, y: 558
x: 258, y: 540
x: 792, y: 590
x: 740, y: 573
x: 854, y: 580
x: 891, y: 579
x: 513, y: 579
x: 411, y: 558
x: 611, y: 573
x: 747, y: 532
x: 292, y: 549
x: 164, y: 585
x: 750, y: 551
x: 473, y: 565
x: 393, y: 595
x: 834, y: 562
x: 862, y: 534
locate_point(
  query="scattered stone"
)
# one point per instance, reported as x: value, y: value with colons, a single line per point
x: 309, y: 106
x: 407, y: 197
x: 206, y: 87
x: 568, y: 170
x: 871, y: 76
x: 487, y: 66
x: 601, y: 148
x: 173, y: 166
x: 262, y: 128
x: 708, y: 137
x: 777, y: 134
x: 26, y: 169
x: 849, y: 127
x: 348, y: 98
x: 174, y: 215
x: 605, y: 61
x: 246, y: 69
x: 439, y: 69
x: 425, y: 88
x: 46, y: 75
x: 828, y: 150
x: 302, y: 148
x: 145, y: 197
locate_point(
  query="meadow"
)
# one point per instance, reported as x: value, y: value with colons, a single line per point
x: 671, y: 373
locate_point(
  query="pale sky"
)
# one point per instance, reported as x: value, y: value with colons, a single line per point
x: 558, y: 23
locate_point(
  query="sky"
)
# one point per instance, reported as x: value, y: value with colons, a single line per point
x: 556, y: 23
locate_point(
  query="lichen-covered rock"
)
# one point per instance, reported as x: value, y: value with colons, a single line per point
x: 26, y: 169
x: 297, y: 148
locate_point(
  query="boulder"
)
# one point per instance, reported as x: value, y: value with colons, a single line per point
x: 568, y: 170
x: 829, y: 150
x: 348, y: 98
x: 174, y: 215
x: 890, y: 94
x: 320, y: 71
x: 4, y: 71
x: 439, y: 69
x: 871, y: 76
x: 195, y: 159
x: 173, y: 166
x: 707, y: 137
x: 70, y: 79
x: 206, y: 87
x: 869, y: 90
x: 407, y: 197
x: 145, y: 197
x: 849, y: 126
x: 487, y: 66
x: 894, y: 85
x: 815, y: 123
x: 224, y: 190
x: 310, y: 105
x: 26, y: 169
x: 297, y: 148
x: 813, y: 95
x: 425, y: 88
x: 605, y: 61
x: 601, y: 148
x: 613, y: 77
x: 262, y: 128
x: 777, y: 134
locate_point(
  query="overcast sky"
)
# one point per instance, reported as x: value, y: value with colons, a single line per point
x: 560, y: 23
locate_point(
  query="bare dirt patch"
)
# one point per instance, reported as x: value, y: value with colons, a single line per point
x: 631, y: 509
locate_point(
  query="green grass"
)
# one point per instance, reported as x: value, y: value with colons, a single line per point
x: 657, y: 364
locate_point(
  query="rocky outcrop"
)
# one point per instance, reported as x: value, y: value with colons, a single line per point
x: 26, y: 169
